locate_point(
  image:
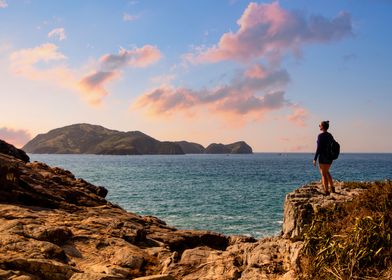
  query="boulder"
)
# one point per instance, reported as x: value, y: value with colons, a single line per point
x: 301, y: 204
x: 8, y: 149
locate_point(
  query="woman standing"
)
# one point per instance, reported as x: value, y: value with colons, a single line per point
x: 322, y: 153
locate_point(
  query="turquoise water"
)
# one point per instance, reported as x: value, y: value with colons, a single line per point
x: 231, y: 194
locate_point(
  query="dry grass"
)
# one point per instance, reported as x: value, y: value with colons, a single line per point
x: 352, y: 241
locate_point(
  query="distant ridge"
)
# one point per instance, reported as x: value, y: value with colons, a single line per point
x: 236, y: 148
x: 190, y: 147
x: 95, y: 139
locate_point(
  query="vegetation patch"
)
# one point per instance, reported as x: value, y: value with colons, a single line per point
x: 353, y: 240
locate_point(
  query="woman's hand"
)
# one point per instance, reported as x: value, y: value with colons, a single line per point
x: 314, y: 163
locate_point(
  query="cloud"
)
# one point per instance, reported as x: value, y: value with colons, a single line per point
x: 24, y: 62
x: 269, y: 31
x: 47, y: 63
x: 57, y: 33
x: 94, y: 83
x: 245, y: 97
x: 3, y: 4
x: 299, y: 116
x: 141, y: 57
x: 128, y: 17
x: 17, y: 137
x: 110, y: 65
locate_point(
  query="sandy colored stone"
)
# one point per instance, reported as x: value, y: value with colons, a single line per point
x: 156, y: 277
x: 57, y: 227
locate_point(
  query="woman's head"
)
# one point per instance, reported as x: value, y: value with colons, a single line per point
x: 324, y: 125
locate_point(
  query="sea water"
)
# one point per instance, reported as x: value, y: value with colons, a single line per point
x: 230, y: 194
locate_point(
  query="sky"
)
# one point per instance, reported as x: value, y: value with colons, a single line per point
x: 265, y: 72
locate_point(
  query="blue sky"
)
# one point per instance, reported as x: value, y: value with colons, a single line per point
x: 204, y: 71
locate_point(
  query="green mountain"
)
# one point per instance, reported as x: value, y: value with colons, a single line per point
x: 191, y: 148
x: 235, y: 148
x: 94, y: 139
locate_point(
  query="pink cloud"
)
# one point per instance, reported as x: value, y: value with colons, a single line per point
x: 299, y: 116
x: 268, y: 30
x: 17, y: 137
x: 23, y: 61
x: 3, y: 4
x: 256, y: 71
x: 93, y: 85
x: 47, y: 63
x: 43, y: 63
x: 109, y: 69
x: 244, y: 97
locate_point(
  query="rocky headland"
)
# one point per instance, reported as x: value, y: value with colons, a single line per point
x: 235, y: 148
x: 95, y: 139
x: 56, y: 226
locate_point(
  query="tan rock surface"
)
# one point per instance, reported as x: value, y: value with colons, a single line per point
x: 55, y: 226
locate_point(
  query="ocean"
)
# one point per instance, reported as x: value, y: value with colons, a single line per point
x: 230, y: 194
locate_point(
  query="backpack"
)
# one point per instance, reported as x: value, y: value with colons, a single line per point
x: 334, y: 149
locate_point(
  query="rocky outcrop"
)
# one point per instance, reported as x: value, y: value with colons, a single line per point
x: 303, y: 203
x: 190, y: 147
x: 8, y: 149
x: 55, y: 226
x: 239, y: 148
x: 94, y: 139
x: 234, y: 148
x: 36, y: 184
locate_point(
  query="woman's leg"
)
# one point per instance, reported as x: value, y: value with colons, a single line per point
x: 330, y: 181
x: 324, y: 170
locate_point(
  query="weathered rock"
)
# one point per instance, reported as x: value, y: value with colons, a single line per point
x: 56, y: 235
x: 55, y: 226
x: 95, y: 276
x: 301, y: 204
x: 129, y: 257
x: 46, y: 269
x: 10, y: 150
x: 156, y: 277
x: 39, y: 185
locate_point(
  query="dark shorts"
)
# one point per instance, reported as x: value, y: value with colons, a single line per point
x: 323, y: 159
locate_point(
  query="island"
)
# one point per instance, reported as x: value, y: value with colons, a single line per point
x: 94, y: 139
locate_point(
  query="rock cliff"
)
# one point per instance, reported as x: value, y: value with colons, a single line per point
x: 8, y: 149
x: 55, y: 226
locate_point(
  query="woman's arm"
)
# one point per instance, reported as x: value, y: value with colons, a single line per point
x: 318, y: 150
